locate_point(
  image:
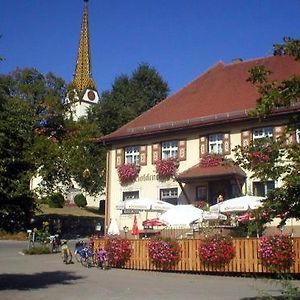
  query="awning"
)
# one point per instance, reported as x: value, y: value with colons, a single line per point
x: 210, y: 173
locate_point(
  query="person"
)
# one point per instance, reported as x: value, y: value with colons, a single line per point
x: 66, y: 253
x: 220, y: 198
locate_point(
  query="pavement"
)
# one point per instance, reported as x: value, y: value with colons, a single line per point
x: 46, y: 277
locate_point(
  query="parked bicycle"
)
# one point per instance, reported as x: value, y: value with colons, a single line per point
x: 66, y: 253
x: 84, y: 254
x: 54, y: 243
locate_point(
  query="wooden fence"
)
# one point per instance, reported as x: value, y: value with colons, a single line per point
x: 246, y: 259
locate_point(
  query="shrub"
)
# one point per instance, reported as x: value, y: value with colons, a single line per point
x: 80, y: 200
x: 164, y: 253
x: 37, y: 250
x: 118, y: 251
x: 216, y: 250
x: 56, y: 200
x: 276, y: 252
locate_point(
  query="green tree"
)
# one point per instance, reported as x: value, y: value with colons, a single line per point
x: 129, y: 97
x: 16, y: 135
x: 274, y: 159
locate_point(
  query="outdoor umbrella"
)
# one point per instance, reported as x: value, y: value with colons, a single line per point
x: 239, y: 204
x: 144, y: 204
x: 135, y: 229
x: 113, y: 228
x: 181, y: 215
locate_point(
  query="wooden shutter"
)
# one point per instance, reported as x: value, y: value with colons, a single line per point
x: 182, y: 150
x: 203, y: 146
x: 156, y: 153
x: 226, y: 144
x: 119, y: 157
x: 246, y: 137
x: 143, y: 155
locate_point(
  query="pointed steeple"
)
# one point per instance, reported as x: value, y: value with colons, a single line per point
x: 83, y: 76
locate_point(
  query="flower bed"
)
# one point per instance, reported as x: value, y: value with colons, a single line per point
x: 276, y: 252
x: 128, y: 173
x: 216, y: 250
x: 166, y: 168
x: 118, y: 251
x: 164, y: 253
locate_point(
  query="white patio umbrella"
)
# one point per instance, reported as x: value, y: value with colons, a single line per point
x: 144, y: 205
x: 238, y: 204
x: 113, y: 228
x: 181, y: 215
x: 210, y: 216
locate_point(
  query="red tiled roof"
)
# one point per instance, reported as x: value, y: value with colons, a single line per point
x: 221, y: 90
x: 199, y: 171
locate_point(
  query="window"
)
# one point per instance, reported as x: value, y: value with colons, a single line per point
x: 201, y: 193
x: 169, y: 149
x: 132, y: 155
x: 130, y: 196
x: 169, y: 195
x: 262, y: 188
x: 215, y: 143
x: 260, y: 133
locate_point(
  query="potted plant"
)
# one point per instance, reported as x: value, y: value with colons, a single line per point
x: 216, y: 250
x: 128, y: 173
x: 276, y: 252
x: 164, y: 252
x: 166, y: 168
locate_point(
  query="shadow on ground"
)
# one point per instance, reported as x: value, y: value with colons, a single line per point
x: 36, y: 281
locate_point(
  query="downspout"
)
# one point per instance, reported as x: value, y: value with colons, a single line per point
x: 107, y: 200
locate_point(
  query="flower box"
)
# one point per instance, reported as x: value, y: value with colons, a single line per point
x: 128, y: 173
x: 166, y: 168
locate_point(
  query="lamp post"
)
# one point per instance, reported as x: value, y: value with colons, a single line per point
x: 125, y: 228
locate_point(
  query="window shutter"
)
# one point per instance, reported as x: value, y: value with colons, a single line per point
x: 226, y: 144
x: 203, y: 146
x: 143, y: 155
x: 119, y: 157
x: 156, y: 153
x: 182, y: 150
x: 246, y: 137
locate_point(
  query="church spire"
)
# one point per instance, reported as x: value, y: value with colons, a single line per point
x: 83, y: 76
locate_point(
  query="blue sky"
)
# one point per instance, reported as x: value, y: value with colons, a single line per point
x: 180, y: 38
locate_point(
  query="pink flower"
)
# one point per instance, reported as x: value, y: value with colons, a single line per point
x: 128, y: 173
x: 166, y: 168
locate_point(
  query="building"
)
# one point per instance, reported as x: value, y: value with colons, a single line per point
x: 208, y: 116
x: 82, y: 91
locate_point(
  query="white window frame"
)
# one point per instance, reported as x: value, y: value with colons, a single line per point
x: 263, y: 132
x: 132, y: 155
x: 169, y: 194
x: 169, y: 149
x: 215, y: 143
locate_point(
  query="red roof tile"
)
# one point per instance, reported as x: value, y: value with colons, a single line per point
x: 221, y: 90
x: 199, y: 171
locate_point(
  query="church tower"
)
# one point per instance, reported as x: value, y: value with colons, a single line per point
x: 82, y: 90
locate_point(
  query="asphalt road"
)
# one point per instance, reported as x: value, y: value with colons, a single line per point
x: 46, y: 277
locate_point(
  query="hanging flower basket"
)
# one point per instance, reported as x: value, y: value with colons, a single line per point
x: 164, y: 253
x: 166, y: 168
x: 216, y: 251
x: 276, y: 252
x: 211, y: 160
x: 128, y: 173
x: 118, y: 251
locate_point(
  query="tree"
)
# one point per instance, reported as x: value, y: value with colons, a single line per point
x: 16, y: 201
x: 275, y: 159
x: 128, y: 98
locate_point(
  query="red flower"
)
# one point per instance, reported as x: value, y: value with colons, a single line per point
x: 118, y: 251
x: 166, y: 168
x: 211, y: 160
x: 128, y: 173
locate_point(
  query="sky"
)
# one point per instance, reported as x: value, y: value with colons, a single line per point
x: 181, y: 39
